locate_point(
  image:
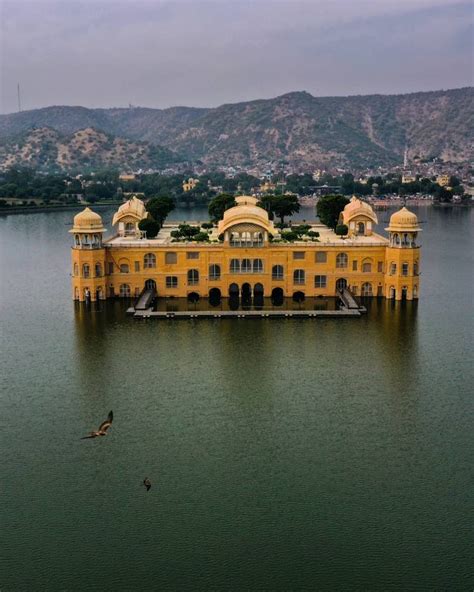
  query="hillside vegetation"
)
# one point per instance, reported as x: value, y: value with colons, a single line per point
x: 296, y: 128
x: 47, y: 149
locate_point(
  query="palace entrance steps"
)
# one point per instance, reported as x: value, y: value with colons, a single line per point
x: 145, y: 299
x: 143, y: 309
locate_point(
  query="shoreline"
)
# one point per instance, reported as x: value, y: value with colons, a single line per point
x: 73, y: 207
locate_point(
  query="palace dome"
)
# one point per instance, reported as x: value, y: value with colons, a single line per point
x: 357, y: 207
x: 87, y: 221
x: 133, y: 208
x: 245, y: 212
x: 403, y: 220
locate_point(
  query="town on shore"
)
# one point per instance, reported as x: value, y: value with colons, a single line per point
x: 426, y: 183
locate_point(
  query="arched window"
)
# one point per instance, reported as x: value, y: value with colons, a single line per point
x: 366, y: 289
x: 257, y: 266
x: 149, y: 261
x: 124, y: 291
x: 214, y: 272
x: 393, y: 268
x: 86, y: 271
x: 360, y: 228
x: 405, y: 241
x: 77, y: 240
x: 193, y: 277
x: 415, y: 292
x: 246, y: 266
x: 96, y: 240
x: 396, y: 239
x: 405, y: 269
x: 341, y: 284
x: 98, y: 270
x: 76, y: 269
x: 257, y: 239
x: 366, y: 267
x: 298, y: 276
x: 85, y: 239
x: 234, y: 239
x: 277, y: 272
x: 341, y: 260
x: 246, y: 237
x: 124, y: 268
x: 129, y: 228
x: 234, y: 266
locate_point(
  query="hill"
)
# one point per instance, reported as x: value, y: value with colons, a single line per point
x: 296, y: 128
x: 47, y: 149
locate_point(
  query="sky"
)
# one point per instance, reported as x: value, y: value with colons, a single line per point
x: 162, y: 53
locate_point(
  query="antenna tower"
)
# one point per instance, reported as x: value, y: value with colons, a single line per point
x: 19, y: 97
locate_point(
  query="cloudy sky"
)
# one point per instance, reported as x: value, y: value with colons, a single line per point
x: 159, y: 53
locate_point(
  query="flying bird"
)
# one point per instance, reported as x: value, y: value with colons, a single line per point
x: 147, y: 483
x: 104, y: 426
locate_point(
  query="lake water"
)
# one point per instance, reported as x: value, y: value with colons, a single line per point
x: 284, y: 454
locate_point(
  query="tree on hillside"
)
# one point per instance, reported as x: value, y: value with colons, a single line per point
x: 219, y: 205
x: 160, y: 207
x: 329, y: 207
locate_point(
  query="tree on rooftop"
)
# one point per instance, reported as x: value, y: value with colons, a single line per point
x: 329, y: 207
x: 342, y: 230
x: 150, y: 226
x: 280, y: 205
x: 160, y: 207
x: 219, y: 205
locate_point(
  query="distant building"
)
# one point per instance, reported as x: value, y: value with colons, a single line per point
x: 267, y: 186
x: 127, y: 177
x: 190, y: 184
x: 408, y: 178
x: 443, y: 180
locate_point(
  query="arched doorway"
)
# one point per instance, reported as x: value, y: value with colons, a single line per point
x: 298, y: 296
x: 193, y: 297
x: 150, y: 285
x: 99, y: 294
x: 392, y: 293
x: 404, y: 293
x: 246, y: 294
x: 234, y: 299
x: 234, y: 291
x: 214, y: 297
x: 366, y: 289
x: 258, y: 294
x: 341, y: 284
x: 277, y: 296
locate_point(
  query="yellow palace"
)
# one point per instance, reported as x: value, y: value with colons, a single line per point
x: 246, y: 256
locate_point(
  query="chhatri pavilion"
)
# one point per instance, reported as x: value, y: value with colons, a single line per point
x: 245, y: 254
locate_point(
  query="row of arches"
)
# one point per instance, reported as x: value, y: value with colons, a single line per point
x: 405, y: 239
x: 246, y: 266
x: 88, y: 240
x: 87, y: 270
x: 246, y: 239
x: 404, y: 268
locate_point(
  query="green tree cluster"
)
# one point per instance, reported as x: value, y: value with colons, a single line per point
x: 219, y: 205
x: 329, y: 207
x: 280, y: 206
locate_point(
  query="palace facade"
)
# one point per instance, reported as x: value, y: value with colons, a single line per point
x: 246, y: 254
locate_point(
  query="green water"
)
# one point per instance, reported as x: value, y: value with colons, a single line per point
x: 284, y: 454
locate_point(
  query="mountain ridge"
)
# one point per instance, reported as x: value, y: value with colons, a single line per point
x: 295, y: 128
